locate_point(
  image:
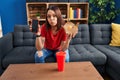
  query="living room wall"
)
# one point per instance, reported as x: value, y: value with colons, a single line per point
x: 117, y: 19
x: 14, y: 12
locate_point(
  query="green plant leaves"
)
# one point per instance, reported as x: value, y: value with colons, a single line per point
x: 102, y: 11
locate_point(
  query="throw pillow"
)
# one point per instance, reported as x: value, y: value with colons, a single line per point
x: 115, y: 35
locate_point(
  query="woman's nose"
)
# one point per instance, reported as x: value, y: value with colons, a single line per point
x: 52, y: 17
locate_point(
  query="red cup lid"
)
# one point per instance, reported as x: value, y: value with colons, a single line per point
x: 61, y: 53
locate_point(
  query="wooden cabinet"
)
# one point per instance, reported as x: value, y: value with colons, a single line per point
x: 70, y: 11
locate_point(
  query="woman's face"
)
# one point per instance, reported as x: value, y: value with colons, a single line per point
x: 52, y: 18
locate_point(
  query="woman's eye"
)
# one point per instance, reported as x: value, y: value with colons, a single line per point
x: 54, y: 16
x: 48, y: 16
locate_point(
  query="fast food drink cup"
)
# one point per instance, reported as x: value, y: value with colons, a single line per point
x: 60, y: 56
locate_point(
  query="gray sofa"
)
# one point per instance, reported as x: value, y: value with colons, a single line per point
x: 100, y: 38
x: 90, y: 44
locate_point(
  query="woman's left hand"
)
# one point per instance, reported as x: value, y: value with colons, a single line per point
x: 69, y: 36
x: 74, y: 34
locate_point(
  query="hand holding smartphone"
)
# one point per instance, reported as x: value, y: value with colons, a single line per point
x: 35, y: 24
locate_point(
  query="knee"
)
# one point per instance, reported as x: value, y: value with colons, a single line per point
x: 39, y: 53
x: 67, y: 56
x: 67, y: 59
x: 39, y: 58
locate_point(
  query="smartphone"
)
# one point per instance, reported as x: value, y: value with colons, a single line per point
x: 34, y: 25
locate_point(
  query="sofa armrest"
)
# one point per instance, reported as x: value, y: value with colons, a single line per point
x: 1, y: 70
x: 6, y: 44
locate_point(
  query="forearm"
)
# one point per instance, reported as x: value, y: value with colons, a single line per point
x: 39, y: 43
x: 65, y: 45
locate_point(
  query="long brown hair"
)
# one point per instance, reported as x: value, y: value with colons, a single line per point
x: 58, y: 15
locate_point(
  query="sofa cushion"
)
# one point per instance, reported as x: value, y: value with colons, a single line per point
x: 19, y: 55
x: 115, y: 41
x: 100, y: 33
x: 82, y: 37
x: 86, y: 52
x: 23, y: 36
x: 113, y: 56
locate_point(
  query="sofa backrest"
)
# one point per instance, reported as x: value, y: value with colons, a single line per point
x: 82, y: 36
x: 23, y: 36
x: 100, y: 34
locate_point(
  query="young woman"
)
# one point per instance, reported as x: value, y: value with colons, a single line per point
x: 51, y: 37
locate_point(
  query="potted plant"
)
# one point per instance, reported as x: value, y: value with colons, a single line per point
x: 102, y: 11
x: 38, y: 15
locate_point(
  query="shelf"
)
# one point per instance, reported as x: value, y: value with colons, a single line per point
x: 79, y: 9
x: 79, y: 19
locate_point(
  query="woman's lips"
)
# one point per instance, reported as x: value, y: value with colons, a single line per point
x: 52, y: 22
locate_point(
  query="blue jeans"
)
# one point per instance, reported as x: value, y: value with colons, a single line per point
x: 47, y: 53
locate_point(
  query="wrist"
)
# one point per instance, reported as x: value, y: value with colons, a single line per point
x: 69, y: 39
x: 38, y: 35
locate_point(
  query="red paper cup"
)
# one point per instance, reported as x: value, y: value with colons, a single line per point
x: 60, y: 56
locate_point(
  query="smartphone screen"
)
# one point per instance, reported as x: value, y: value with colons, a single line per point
x: 34, y: 26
